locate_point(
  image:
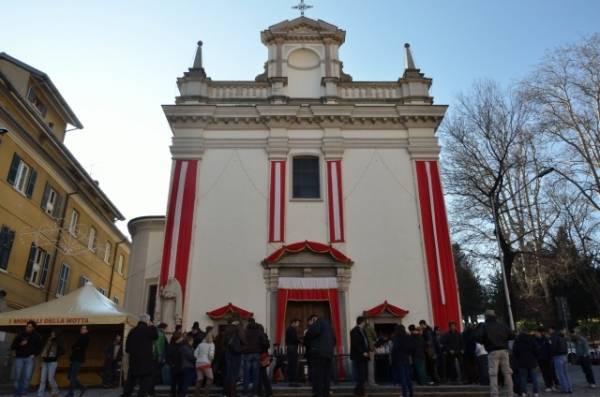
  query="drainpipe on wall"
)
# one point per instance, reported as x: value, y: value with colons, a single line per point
x: 114, y: 264
x: 56, y: 245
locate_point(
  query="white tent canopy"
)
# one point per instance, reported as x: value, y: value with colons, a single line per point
x: 85, y: 305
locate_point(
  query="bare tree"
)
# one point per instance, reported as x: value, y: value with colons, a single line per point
x: 493, y: 169
x: 565, y: 90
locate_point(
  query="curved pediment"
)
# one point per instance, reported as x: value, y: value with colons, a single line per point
x: 307, y: 253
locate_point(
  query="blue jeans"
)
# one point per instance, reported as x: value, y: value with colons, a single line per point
x: 250, y: 365
x: 524, y: 374
x: 22, y: 369
x: 560, y: 367
x: 403, y: 373
x: 74, y: 377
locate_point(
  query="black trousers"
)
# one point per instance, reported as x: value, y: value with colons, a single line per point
x: 321, y: 376
x: 145, y: 381
x: 359, y: 372
x: 292, y: 364
x: 264, y: 383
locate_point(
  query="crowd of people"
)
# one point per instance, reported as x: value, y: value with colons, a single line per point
x: 487, y: 354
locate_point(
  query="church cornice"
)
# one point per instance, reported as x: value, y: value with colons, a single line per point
x: 304, y: 116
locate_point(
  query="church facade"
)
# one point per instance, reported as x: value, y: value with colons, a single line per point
x: 306, y: 191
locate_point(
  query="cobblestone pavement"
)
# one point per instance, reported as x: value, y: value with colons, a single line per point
x: 577, y: 377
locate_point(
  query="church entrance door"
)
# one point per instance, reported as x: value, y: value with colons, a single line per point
x: 303, y: 309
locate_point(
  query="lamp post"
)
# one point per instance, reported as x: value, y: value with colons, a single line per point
x: 511, y: 319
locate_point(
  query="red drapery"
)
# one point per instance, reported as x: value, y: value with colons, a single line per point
x: 313, y: 246
x: 225, y: 310
x: 386, y: 307
x: 329, y: 295
x: 438, y: 250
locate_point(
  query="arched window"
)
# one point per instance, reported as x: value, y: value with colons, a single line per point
x: 306, y: 177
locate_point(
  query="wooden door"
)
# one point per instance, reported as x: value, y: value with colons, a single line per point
x: 303, y: 309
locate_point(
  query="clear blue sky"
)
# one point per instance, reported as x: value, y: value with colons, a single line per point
x: 116, y: 61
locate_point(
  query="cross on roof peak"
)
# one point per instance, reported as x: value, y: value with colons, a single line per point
x: 302, y: 7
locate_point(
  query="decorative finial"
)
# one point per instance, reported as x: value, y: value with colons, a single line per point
x: 302, y: 7
x: 409, y: 61
x: 198, y: 58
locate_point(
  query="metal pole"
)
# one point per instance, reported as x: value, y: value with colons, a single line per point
x: 511, y: 320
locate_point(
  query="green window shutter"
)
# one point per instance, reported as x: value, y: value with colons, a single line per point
x: 29, y: 267
x: 7, y: 237
x: 57, y: 212
x: 14, y: 168
x: 31, y: 183
x: 45, y: 196
x: 44, y: 273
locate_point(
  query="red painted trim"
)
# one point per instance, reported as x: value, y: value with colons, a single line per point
x: 186, y: 225
x: 282, y: 201
x: 341, y: 200
x: 164, y: 269
x: 450, y: 311
x: 271, y: 201
x: 330, y: 202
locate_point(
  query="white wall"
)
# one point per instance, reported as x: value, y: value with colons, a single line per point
x: 382, y: 232
x: 230, y: 234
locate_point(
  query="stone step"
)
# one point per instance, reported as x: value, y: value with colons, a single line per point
x: 347, y: 391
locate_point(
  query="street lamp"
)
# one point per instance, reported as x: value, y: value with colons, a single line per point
x: 511, y: 319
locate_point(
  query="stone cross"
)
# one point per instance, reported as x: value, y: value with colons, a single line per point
x: 302, y: 7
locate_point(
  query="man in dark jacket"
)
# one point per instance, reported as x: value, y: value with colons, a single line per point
x: 495, y: 336
x: 525, y: 353
x: 291, y: 343
x: 418, y: 356
x: 233, y: 344
x: 559, y: 347
x: 26, y: 346
x: 544, y: 350
x: 359, y: 354
x: 253, y: 336
x: 113, y: 353
x: 452, y: 345
x: 139, y: 346
x: 78, y: 351
x: 321, y: 342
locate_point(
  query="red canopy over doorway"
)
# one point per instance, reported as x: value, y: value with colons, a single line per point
x: 386, y: 307
x: 313, y: 246
x: 228, y: 309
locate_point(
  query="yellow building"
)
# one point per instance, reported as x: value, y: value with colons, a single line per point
x: 57, y: 226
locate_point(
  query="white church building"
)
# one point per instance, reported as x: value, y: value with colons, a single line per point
x: 300, y: 191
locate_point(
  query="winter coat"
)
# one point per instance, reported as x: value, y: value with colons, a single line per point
x: 291, y: 336
x: 139, y: 346
x: 403, y: 348
x: 452, y: 341
x: 53, y: 349
x: 253, y: 338
x: 79, y: 348
x: 494, y: 335
x: 233, y: 340
x: 109, y: 352
x: 582, y: 347
x: 187, y: 357
x: 32, y: 348
x: 558, y: 344
x: 205, y: 353
x: 418, y: 344
x: 525, y: 351
x: 321, y: 340
x: 544, y: 348
x: 359, y: 344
